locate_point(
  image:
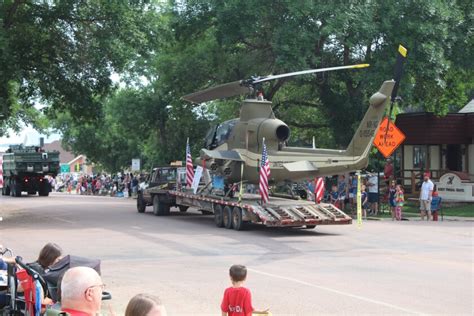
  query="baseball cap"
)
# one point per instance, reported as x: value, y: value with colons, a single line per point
x: 427, y: 174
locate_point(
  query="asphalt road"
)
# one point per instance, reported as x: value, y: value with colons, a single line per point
x: 382, y: 268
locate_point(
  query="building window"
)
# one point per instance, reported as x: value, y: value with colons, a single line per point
x: 419, y: 157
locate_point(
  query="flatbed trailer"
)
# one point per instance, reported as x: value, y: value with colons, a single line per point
x: 277, y: 212
x: 229, y: 212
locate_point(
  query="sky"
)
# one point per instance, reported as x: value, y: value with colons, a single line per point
x: 29, y: 135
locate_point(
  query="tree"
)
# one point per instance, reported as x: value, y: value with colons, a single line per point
x: 62, y: 54
x: 261, y: 37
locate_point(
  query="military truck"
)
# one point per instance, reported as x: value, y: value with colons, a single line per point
x: 165, y: 188
x: 25, y: 168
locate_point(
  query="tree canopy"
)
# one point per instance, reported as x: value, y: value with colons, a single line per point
x: 62, y: 53
x: 68, y: 50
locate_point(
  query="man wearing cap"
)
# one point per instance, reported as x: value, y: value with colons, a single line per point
x: 426, y: 196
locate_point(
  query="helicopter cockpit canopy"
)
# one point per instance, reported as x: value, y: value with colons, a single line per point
x: 219, y: 134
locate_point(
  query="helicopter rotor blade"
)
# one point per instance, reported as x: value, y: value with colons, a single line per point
x: 309, y: 71
x: 222, y: 91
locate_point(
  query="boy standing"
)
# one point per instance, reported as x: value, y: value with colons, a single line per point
x: 237, y: 299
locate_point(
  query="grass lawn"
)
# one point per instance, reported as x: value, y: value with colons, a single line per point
x: 412, y: 210
x: 462, y: 211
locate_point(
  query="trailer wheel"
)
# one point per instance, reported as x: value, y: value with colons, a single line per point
x: 237, y: 220
x: 227, y: 217
x: 218, y: 218
x: 141, y: 205
x: 183, y: 208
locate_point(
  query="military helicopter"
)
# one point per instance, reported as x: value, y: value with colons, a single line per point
x: 239, y: 141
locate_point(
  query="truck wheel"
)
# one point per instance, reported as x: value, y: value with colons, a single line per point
x: 141, y: 206
x: 183, y: 208
x: 44, y: 189
x: 164, y: 209
x: 227, y: 217
x: 160, y: 208
x: 237, y: 221
x: 156, y: 205
x: 16, y: 190
x: 218, y: 216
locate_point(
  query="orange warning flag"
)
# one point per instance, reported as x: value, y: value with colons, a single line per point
x: 387, y: 141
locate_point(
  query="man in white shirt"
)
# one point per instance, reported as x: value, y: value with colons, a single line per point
x: 426, y: 193
x: 373, y: 188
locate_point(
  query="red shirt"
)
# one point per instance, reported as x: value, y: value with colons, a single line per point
x: 237, y: 301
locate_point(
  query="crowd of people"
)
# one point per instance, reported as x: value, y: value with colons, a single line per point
x: 343, y: 193
x: 101, y: 184
x: 80, y: 291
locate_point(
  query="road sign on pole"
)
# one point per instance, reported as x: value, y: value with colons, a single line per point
x: 387, y: 141
x: 65, y: 168
x: 135, y: 164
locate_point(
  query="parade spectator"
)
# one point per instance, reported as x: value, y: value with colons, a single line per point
x: 388, y: 171
x: 334, y: 196
x: 342, y: 190
x: 134, y: 185
x: 353, y: 191
x: 399, y: 200
x: 426, y: 193
x: 392, y: 190
x: 49, y: 255
x: 364, y: 199
x: 237, y: 299
x: 373, y: 187
x: 81, y: 292
x: 145, y: 305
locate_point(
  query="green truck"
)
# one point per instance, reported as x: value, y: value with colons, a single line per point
x: 25, y: 168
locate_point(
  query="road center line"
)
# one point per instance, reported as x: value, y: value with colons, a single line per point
x: 60, y: 219
x: 337, y: 292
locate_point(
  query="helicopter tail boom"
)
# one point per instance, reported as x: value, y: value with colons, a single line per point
x: 362, y: 140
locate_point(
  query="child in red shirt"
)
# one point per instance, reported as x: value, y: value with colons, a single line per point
x: 237, y: 299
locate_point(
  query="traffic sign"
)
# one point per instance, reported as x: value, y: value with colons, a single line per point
x: 387, y: 142
x: 135, y: 164
x: 65, y: 168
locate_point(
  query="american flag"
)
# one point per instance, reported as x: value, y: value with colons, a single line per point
x: 189, y: 166
x: 318, y: 190
x: 264, y: 174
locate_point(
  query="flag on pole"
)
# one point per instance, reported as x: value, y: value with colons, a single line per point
x: 319, y: 190
x: 189, y: 166
x: 264, y: 174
